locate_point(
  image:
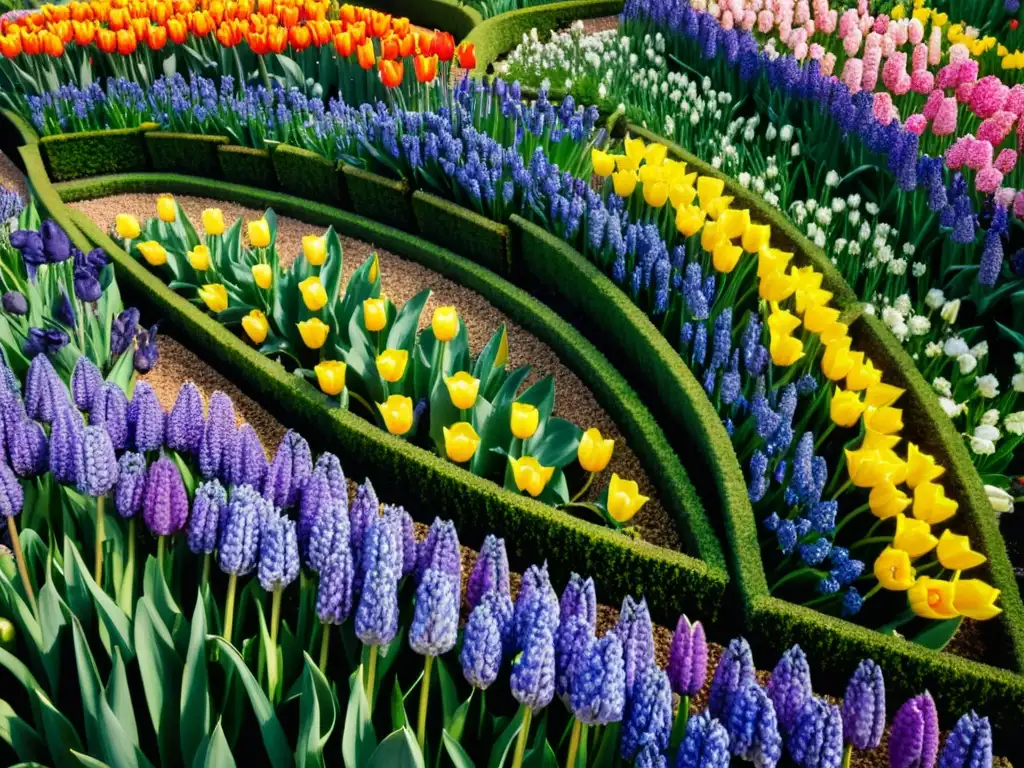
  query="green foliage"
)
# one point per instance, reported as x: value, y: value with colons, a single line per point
x: 309, y: 175
x: 500, y: 34
x: 381, y: 199
x: 74, y: 155
x: 474, y: 236
x: 184, y: 152
x: 245, y: 165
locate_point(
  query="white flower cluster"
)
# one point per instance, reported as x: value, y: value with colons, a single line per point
x: 569, y: 57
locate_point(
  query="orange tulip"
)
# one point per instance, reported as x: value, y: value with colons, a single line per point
x: 320, y: 31
x: 225, y: 35
x: 389, y: 47
x: 106, y: 40
x: 202, y: 24
x: 424, y: 43
x: 401, y: 26
x: 85, y: 33
x: 80, y: 11
x: 426, y: 68
x: 358, y: 32
x: 177, y: 31
x: 299, y: 38
x: 126, y: 42
x: 391, y: 72
x: 52, y: 45
x: 289, y: 17
x: 379, y: 23
x: 277, y: 39
x: 140, y: 28
x: 216, y: 11
x: 467, y: 56
x: 444, y: 46
x: 258, y: 43
x: 365, y: 54
x: 265, y: 7
x: 119, y: 19
x: 64, y: 31
x: 343, y: 44
x: 157, y: 38
x: 30, y: 43
x: 159, y: 14
x: 10, y: 45
x: 347, y: 13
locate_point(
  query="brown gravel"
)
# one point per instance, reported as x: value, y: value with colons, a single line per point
x: 11, y: 177
x: 601, y: 24
x: 402, y: 280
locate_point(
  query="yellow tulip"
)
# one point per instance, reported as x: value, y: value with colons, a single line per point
x: 782, y: 322
x: 215, y: 295
x: 397, y: 414
x: 624, y: 499
x: 809, y: 297
x: 255, y: 326
x: 445, y: 323
x: 893, y: 570
x: 681, y: 195
x: 391, y: 364
x: 656, y: 193
x: 213, y: 221
x: 624, y: 163
x: 313, y: 332
x: 921, y: 467
x: 837, y: 360
x: 330, y: 375
x: 898, y: 12
x: 153, y: 253
x: 689, y: 220
x: 710, y: 236
x: 604, y: 164
x: 880, y: 394
x: 734, y: 223
x: 314, y: 295
x: 375, y: 313
x: 371, y: 276
x: 976, y: 600
x: 718, y: 206
x: 886, y: 500
x: 501, y: 358
x: 775, y: 287
x: 886, y: 420
x: 868, y: 468
x: 726, y: 256
x: 785, y: 350
x: 263, y: 275
x: 863, y: 376
x: 833, y: 331
x: 594, y: 452
x: 756, y: 237
x: 460, y: 441
x: 524, y: 420
x: 649, y: 174
x: 709, y: 188
x: 655, y: 153
x: 846, y: 408
x: 624, y: 182
x: 199, y: 258
x: 529, y: 475
x: 636, y: 150
x: 166, y: 209
x: 462, y: 389
x: 314, y: 248
x: 259, y: 233
x: 913, y: 536
x: 876, y: 441
x: 127, y: 226
x: 817, y: 318
x: 955, y: 552
x: 772, y: 261
x: 932, y: 505
x: 932, y: 598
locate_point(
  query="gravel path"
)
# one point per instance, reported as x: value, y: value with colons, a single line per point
x: 402, y: 280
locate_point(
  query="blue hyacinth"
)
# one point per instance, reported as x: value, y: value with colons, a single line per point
x: 490, y: 571
x: 790, y: 686
x: 706, y: 744
x: 279, y: 552
x: 753, y: 728
x: 864, y: 707
x: 239, y: 542
x: 969, y: 745
x: 482, y: 646
x: 648, y: 717
x: 734, y: 672
x: 204, y: 522
x: 185, y: 422
x: 95, y: 462
x: 334, y: 594
x: 816, y: 740
x: 597, y: 690
x: 377, y: 613
x: 435, y: 623
x: 533, y: 674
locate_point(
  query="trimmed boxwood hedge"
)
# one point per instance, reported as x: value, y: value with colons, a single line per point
x: 185, y: 152
x: 73, y: 155
x: 376, y: 197
x: 247, y: 165
x: 497, y: 35
x: 309, y: 175
x: 461, y: 230
x: 425, y: 482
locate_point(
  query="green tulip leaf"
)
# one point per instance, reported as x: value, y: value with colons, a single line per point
x: 399, y: 717
x: 497, y: 430
x: 113, y: 618
x: 558, y: 445
x: 455, y: 751
x: 87, y: 761
x: 20, y: 613
x: 541, y: 395
x: 330, y: 271
x: 358, y: 289
x: 938, y: 633
x: 358, y: 740
x: 489, y: 368
x: 398, y: 750
x: 318, y: 714
x: 402, y: 334
x: 53, y: 614
x: 608, y: 748
x: 195, y: 697
x: 274, y: 739
x: 154, y: 586
x: 160, y: 668
x: 499, y: 752
x: 215, y: 751
x: 119, y: 697
x: 21, y: 736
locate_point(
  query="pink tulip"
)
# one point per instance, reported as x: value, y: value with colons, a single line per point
x: 988, y: 180
x: 944, y: 122
x: 1006, y: 161
x: 922, y: 82
x: 916, y: 123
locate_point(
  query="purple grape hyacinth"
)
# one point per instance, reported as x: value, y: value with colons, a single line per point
x: 490, y: 571
x: 377, y: 612
x: 597, y: 691
x: 240, y: 531
x: 790, y: 686
x: 110, y: 409
x: 435, y: 623
x: 706, y: 744
x: 65, y: 436
x: 204, y: 524
x: 533, y: 674
x: 145, y: 419
x: 130, y: 490
x: 186, y: 423
x: 405, y: 530
x: 440, y: 550
x: 218, y: 436
x: 165, y: 506
x: 734, y: 672
x: 45, y: 393
x: 334, y: 596
x: 816, y: 739
x: 969, y: 744
x: 247, y: 464
x: 86, y: 381
x: 29, y: 449
x: 914, y: 736
x: 12, y: 497
x: 636, y: 632
x: 536, y: 601
x: 329, y: 465
x: 481, y: 647
x: 292, y: 464
x: 279, y: 552
x: 328, y: 535
x: 864, y: 707
x: 688, y: 658
x: 753, y: 728
x: 648, y: 713
x: 577, y: 624
x: 95, y: 462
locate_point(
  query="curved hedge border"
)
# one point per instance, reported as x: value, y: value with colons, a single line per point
x: 478, y: 505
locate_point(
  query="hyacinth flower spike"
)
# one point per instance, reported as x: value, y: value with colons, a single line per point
x: 96, y: 473
x: 238, y: 545
x: 377, y: 614
x: 11, y: 500
x: 687, y: 671
x: 434, y: 631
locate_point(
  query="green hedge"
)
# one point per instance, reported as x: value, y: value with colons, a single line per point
x: 785, y: 236
x: 309, y: 175
x: 185, y: 152
x: 429, y: 485
x: 388, y: 201
x: 448, y: 15
x: 74, y: 155
x: 246, y: 165
x: 498, y: 35
x: 459, y: 229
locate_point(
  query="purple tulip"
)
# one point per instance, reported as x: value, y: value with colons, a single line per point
x: 914, y: 736
x: 688, y: 658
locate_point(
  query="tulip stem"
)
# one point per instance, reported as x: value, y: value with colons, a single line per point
x: 421, y: 716
x: 524, y: 733
x: 325, y: 647
x: 871, y: 540
x: 850, y: 516
x: 574, y: 743
x: 847, y: 755
x: 229, y: 606
x: 679, y: 727
x: 19, y: 556
x: 584, y: 489
x: 371, y: 676
x: 206, y: 570
x: 129, y: 567
x: 161, y: 549
x: 275, y: 621
x: 362, y: 401
x: 98, y: 569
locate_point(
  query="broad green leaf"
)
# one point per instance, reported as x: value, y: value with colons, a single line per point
x: 504, y: 741
x: 113, y: 618
x: 59, y: 733
x: 155, y: 588
x: 608, y: 749
x: 399, y: 718
x: 558, y: 445
x: 938, y: 634
x: 217, y: 753
x: 27, y: 744
x: 51, y: 623
x: 89, y: 762
x: 160, y: 668
x: 89, y: 686
x: 20, y: 613
x: 455, y: 751
x: 497, y: 431
x: 318, y: 713
x: 274, y: 738
x: 119, y: 697
x: 358, y: 739
x: 195, y: 696
x: 398, y: 750
x: 402, y: 334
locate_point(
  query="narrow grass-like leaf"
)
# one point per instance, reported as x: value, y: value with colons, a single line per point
x: 119, y: 698
x: 113, y: 618
x: 358, y: 740
x: 160, y: 667
x: 195, y: 690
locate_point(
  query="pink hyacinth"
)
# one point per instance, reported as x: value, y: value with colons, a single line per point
x: 847, y: 23
x: 979, y: 155
x: 828, y: 64
x: 1004, y: 196
x: 968, y: 71
x: 826, y: 23
x: 916, y: 124
x: 882, y: 108
x: 800, y: 52
x: 958, y: 52
x: 803, y: 12
x: 881, y: 23
x: 944, y: 122
x: 964, y: 92
x: 764, y: 22
x: 862, y: 7
x: 915, y: 32
x: 989, y: 96
x: 996, y: 128
x: 899, y: 33
x: 988, y: 180
x: 872, y: 60
x: 726, y: 21
x: 947, y: 76
x: 894, y: 67
x: 749, y: 20
x: 919, y: 59
x: 865, y: 24
x: 932, y: 104
x: 853, y: 74
x: 922, y: 82
x: 1015, y: 100
x: 935, y: 47
x: 1006, y: 161
x: 1018, y: 205
x: 888, y: 45
x: 816, y: 52
x: 956, y: 154
x: 851, y: 44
